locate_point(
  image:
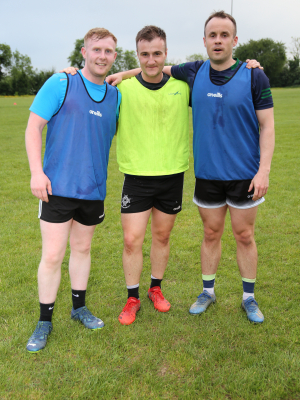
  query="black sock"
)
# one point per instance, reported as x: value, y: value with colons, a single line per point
x: 155, y: 282
x: 133, y: 292
x: 46, y: 311
x: 78, y: 298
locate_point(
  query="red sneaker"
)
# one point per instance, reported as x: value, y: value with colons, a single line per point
x: 160, y: 303
x: 128, y: 314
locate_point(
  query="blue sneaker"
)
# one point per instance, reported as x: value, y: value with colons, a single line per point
x: 253, y: 312
x: 84, y: 315
x: 38, y: 339
x: 204, y: 300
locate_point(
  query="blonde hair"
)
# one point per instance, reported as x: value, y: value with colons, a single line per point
x: 97, y: 34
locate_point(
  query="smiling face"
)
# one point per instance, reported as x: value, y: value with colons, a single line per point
x: 99, y: 57
x: 219, y: 41
x: 152, y: 56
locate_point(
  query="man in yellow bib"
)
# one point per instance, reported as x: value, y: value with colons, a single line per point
x: 153, y: 153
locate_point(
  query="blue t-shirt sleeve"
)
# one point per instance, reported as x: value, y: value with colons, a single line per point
x: 50, y: 97
x: 119, y: 103
x: 261, y: 91
x: 186, y: 72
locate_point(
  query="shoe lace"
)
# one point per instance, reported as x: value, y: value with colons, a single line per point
x: 157, y: 292
x: 41, y: 330
x: 251, y: 305
x: 131, y: 302
x: 203, y: 297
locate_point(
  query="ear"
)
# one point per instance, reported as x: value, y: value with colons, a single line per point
x: 115, y: 56
x: 204, y: 42
x: 166, y: 52
x: 235, y: 41
x: 83, y: 52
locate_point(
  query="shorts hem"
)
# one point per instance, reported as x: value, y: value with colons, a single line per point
x: 248, y: 205
x: 199, y: 204
x: 54, y: 222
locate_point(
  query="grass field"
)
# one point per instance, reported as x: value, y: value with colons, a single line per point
x: 219, y: 355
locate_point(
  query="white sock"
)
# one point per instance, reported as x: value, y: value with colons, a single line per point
x: 246, y: 295
x: 210, y: 290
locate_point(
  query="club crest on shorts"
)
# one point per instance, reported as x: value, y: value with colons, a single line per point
x: 125, y: 201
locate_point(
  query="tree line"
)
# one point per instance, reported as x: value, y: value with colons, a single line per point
x: 18, y: 77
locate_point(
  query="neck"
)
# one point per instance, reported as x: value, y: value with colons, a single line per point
x: 223, y: 65
x: 154, y: 79
x: 98, y: 80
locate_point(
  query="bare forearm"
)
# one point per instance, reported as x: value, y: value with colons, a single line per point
x: 167, y: 70
x: 33, y: 141
x: 267, y: 144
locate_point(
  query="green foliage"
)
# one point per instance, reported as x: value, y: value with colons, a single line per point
x: 196, y: 57
x: 20, y: 78
x: 290, y: 75
x: 125, y: 59
x: 5, y: 58
x: 216, y: 356
x: 295, y: 47
x: 76, y: 59
x: 269, y: 53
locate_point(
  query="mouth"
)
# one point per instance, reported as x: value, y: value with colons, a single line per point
x: 101, y: 64
x: 217, y: 50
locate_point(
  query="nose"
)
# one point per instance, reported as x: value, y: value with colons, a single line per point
x: 102, y: 54
x: 151, y: 61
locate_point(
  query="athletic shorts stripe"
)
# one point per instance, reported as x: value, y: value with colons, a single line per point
x: 216, y: 194
x: 40, y: 208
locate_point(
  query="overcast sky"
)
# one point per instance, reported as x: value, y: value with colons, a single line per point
x: 46, y: 30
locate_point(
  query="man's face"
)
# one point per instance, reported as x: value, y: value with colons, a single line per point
x: 219, y: 40
x: 99, y: 56
x: 152, y: 56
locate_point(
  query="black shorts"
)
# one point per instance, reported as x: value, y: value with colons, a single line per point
x: 215, y: 194
x: 141, y: 193
x: 62, y: 209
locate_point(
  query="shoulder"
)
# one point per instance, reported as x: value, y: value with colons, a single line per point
x: 57, y: 79
x: 179, y: 83
x: 260, y: 76
x: 127, y: 83
x: 187, y: 69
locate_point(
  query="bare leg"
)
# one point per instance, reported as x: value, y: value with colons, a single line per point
x: 134, y: 228
x: 242, y: 222
x: 55, y: 239
x: 213, y: 222
x: 161, y: 227
x: 80, y: 258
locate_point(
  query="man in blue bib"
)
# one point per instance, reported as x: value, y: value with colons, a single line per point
x: 233, y: 148
x: 81, y: 113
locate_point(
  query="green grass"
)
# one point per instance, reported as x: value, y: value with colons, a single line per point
x: 219, y: 355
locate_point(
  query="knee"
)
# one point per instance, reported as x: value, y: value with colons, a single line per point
x: 161, y: 237
x: 82, y: 247
x: 245, y: 238
x: 212, y: 235
x: 131, y: 243
x: 52, y: 260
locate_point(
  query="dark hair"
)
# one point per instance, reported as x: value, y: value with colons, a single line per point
x: 149, y: 33
x: 221, y: 14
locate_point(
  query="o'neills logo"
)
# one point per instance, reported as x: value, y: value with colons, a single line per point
x: 214, y: 95
x: 98, y: 113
